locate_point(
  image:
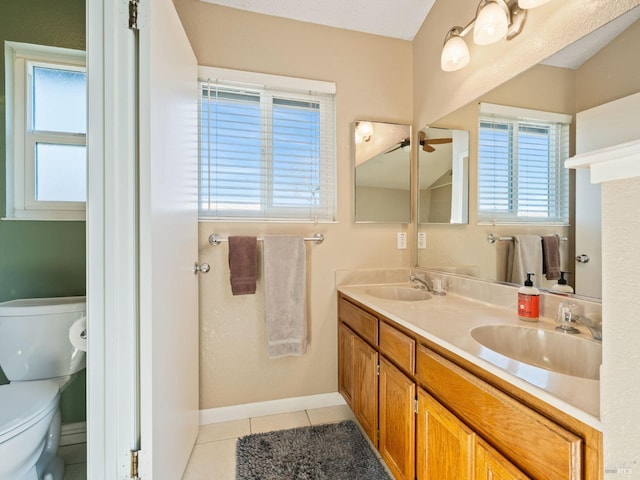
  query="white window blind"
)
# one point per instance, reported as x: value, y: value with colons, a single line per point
x: 521, y: 174
x: 266, y: 153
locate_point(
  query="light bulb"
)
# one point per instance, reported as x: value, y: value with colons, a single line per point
x: 455, y: 54
x: 364, y: 130
x: 491, y: 24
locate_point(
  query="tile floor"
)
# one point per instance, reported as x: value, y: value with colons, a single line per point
x: 214, y: 455
x: 75, y: 461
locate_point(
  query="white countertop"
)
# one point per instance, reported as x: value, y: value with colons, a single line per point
x: 447, y: 321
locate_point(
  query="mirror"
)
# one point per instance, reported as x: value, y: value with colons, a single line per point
x: 565, y: 83
x: 443, y: 172
x: 382, y: 166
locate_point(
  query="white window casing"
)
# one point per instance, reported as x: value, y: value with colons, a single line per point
x: 267, y: 147
x: 22, y: 138
x: 521, y: 174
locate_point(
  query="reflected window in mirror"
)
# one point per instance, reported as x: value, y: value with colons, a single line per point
x: 443, y: 170
x: 46, y: 95
x: 521, y: 173
x: 382, y: 171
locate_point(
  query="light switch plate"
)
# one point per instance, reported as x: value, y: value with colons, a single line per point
x: 402, y: 240
x: 422, y: 240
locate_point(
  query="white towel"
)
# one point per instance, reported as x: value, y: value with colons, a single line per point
x: 285, y: 295
x: 525, y: 256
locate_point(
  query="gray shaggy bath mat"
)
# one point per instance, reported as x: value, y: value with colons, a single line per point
x: 336, y: 451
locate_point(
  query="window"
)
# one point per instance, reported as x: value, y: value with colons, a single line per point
x: 266, y: 153
x: 46, y: 132
x: 521, y: 174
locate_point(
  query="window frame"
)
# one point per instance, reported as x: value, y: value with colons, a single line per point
x: 269, y: 87
x: 521, y: 116
x: 21, y: 139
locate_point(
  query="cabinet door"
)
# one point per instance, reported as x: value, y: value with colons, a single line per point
x: 490, y: 465
x: 445, y: 445
x: 397, y: 420
x: 345, y: 363
x: 365, y: 387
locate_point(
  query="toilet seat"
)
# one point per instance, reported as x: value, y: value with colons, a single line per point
x: 24, y: 404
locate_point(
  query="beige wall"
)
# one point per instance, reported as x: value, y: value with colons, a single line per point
x: 612, y: 73
x: 374, y: 81
x: 542, y: 88
x: 383, y: 204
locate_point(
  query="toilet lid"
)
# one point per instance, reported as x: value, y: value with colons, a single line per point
x: 24, y: 401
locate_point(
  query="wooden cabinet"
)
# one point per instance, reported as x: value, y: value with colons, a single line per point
x: 490, y: 465
x: 447, y: 449
x: 541, y: 447
x: 365, y: 391
x: 445, y: 444
x: 397, y: 422
x: 435, y: 416
x: 358, y: 379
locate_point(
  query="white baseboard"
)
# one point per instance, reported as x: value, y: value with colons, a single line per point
x: 73, y: 433
x: 272, y: 407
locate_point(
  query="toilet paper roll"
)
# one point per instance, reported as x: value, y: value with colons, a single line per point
x: 78, y: 334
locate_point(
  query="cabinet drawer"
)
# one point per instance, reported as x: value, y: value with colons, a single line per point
x: 361, y: 322
x: 538, y: 446
x: 398, y: 347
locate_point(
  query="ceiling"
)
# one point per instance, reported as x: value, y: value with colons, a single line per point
x: 390, y: 18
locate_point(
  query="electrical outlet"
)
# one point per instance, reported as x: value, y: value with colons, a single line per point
x: 422, y: 239
x: 402, y: 240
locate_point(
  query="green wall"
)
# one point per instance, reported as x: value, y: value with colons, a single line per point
x: 42, y: 259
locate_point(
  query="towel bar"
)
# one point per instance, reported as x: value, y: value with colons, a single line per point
x: 491, y: 238
x: 217, y: 239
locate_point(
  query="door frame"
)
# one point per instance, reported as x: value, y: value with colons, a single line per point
x: 112, y: 291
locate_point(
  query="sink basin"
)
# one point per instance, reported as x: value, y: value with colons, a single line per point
x: 554, y: 351
x: 404, y: 294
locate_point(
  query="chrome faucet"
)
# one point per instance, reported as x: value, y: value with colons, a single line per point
x: 594, y: 327
x: 421, y: 283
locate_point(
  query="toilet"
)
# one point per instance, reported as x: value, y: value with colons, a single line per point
x: 39, y: 354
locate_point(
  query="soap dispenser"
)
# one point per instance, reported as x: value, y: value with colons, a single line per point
x: 561, y: 286
x: 528, y: 301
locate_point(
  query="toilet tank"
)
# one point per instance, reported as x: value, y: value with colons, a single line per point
x: 34, y: 338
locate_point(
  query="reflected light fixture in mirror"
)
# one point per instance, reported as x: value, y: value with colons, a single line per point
x: 363, y: 132
x: 494, y: 20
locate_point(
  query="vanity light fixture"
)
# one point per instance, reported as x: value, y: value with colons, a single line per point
x: 363, y: 132
x: 455, y: 53
x: 494, y: 20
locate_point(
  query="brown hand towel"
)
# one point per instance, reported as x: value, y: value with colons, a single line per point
x: 551, y: 256
x: 243, y: 265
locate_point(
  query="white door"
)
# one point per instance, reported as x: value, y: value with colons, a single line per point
x: 588, y: 264
x: 142, y: 358
x: 168, y: 219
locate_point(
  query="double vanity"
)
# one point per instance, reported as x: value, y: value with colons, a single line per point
x: 456, y: 387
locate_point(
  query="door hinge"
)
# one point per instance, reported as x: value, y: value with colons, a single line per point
x: 134, y: 464
x: 415, y: 405
x: 133, y: 14
x: 378, y: 369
